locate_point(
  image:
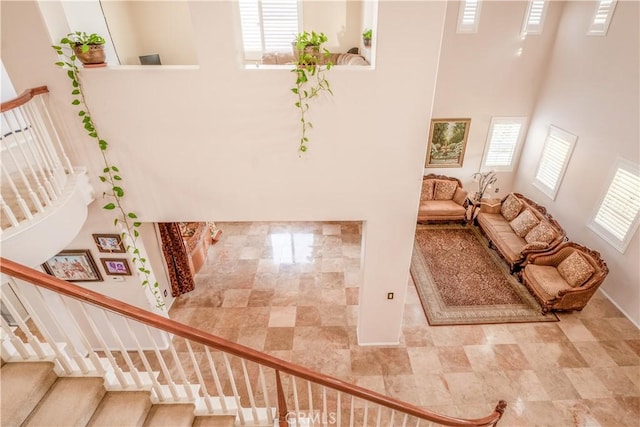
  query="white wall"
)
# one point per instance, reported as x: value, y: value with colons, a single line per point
x: 124, y: 30
x: 482, y: 75
x: 592, y: 91
x: 219, y: 142
x: 341, y: 21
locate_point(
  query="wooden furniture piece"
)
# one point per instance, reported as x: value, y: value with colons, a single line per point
x: 564, y: 287
x: 442, y: 199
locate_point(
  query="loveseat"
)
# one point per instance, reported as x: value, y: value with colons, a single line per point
x: 442, y: 199
x: 518, y: 227
x: 564, y: 278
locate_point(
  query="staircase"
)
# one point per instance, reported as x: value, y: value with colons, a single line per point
x: 35, y: 396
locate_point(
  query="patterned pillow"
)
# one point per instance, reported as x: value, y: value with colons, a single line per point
x: 427, y: 190
x: 575, y: 269
x: 542, y: 232
x: 511, y: 207
x: 524, y: 222
x: 445, y: 190
x: 460, y: 196
x: 534, y: 246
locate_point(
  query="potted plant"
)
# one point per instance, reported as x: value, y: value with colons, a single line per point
x: 367, y: 35
x: 89, y: 49
x: 311, y: 61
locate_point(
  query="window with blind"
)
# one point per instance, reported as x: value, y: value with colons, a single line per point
x: 469, y: 16
x: 602, y: 18
x: 618, y: 215
x: 534, y: 18
x: 268, y: 26
x: 503, y: 143
x: 554, y: 161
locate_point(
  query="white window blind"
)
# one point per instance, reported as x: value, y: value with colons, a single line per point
x: 618, y: 214
x: 268, y: 26
x: 469, y: 16
x: 602, y: 17
x: 554, y: 160
x: 505, y: 134
x: 534, y: 18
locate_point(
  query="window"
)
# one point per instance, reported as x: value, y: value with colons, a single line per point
x: 554, y: 160
x: 469, y: 16
x: 534, y: 18
x: 618, y: 215
x: 602, y: 18
x: 268, y: 26
x: 503, y: 142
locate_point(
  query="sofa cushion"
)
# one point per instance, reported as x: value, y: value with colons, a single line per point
x: 438, y: 208
x: 427, y: 189
x: 524, y: 222
x: 511, y: 207
x: 543, y: 232
x: 460, y: 196
x: 533, y: 246
x: 575, y: 269
x: 444, y: 189
x: 546, y: 278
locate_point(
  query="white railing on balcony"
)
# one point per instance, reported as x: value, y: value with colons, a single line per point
x: 33, y: 161
x: 86, y: 333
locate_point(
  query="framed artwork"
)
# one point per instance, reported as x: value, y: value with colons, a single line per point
x: 111, y: 243
x: 116, y: 266
x: 73, y: 266
x: 447, y: 142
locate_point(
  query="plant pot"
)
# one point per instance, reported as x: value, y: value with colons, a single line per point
x: 367, y: 42
x: 95, y: 54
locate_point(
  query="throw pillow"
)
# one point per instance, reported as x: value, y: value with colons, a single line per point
x: 427, y: 190
x: 460, y: 196
x: 445, y: 189
x: 534, y: 246
x: 542, y: 232
x: 575, y: 269
x: 511, y: 207
x: 524, y: 222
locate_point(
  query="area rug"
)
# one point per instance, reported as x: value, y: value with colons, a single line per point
x: 461, y: 281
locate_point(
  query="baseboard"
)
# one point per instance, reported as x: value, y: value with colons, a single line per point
x: 620, y: 308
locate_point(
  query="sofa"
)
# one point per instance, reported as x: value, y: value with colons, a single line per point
x: 442, y: 199
x: 564, y: 278
x: 517, y: 227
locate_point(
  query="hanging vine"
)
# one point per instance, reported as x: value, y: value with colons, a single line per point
x: 110, y: 173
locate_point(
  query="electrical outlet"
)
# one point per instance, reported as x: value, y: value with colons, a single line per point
x: 166, y: 293
x: 390, y: 295
x: 497, y: 189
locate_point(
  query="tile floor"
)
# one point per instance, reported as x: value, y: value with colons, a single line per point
x: 291, y: 290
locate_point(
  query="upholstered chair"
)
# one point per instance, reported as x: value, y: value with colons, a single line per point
x: 564, y: 278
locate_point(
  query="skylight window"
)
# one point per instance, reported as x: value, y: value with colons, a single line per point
x: 534, y: 18
x: 602, y: 18
x: 469, y: 16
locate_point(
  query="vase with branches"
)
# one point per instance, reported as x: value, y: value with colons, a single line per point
x: 485, y: 180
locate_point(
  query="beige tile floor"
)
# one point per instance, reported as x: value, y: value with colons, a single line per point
x: 291, y: 290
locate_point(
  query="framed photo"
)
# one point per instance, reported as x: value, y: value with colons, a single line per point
x: 111, y: 243
x: 73, y: 266
x: 447, y: 142
x: 116, y: 266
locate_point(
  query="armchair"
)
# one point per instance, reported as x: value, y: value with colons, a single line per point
x: 564, y: 278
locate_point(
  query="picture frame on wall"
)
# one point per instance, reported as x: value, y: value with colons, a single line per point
x: 447, y: 143
x: 73, y: 266
x: 116, y: 266
x: 111, y: 243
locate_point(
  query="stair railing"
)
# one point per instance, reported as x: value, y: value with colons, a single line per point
x: 34, y: 163
x: 86, y: 333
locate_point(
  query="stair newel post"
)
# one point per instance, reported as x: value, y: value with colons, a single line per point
x: 282, y: 403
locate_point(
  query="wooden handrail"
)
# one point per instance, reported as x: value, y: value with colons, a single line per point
x: 23, y: 98
x: 54, y: 284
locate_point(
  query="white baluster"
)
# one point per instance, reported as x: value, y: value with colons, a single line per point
x: 393, y: 415
x: 351, y: 413
x: 163, y: 366
x: 104, y: 347
x: 323, y: 416
x: 366, y: 413
x: 54, y: 132
x: 404, y: 420
x: 234, y: 389
x: 216, y: 380
x: 252, y: 400
x: 266, y: 395
x: 35, y: 343
x: 185, y: 383
x: 6, y: 209
x: 39, y: 143
x: 17, y: 343
x: 92, y: 354
x: 145, y: 362
x: 296, y: 403
x: 418, y: 423
x: 338, y: 408
x: 48, y: 147
x: 310, y: 397
x: 123, y: 351
x: 203, y: 387
x: 379, y: 415
x: 23, y: 205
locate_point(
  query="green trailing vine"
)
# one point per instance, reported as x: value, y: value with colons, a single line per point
x: 110, y: 173
x: 310, y: 66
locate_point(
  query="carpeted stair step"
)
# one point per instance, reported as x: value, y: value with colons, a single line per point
x: 70, y: 402
x: 23, y: 385
x: 122, y: 408
x: 174, y: 415
x: 214, y: 421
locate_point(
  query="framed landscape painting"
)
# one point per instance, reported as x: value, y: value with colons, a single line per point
x: 73, y: 266
x: 447, y: 142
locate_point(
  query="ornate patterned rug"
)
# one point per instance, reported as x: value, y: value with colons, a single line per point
x: 461, y: 281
